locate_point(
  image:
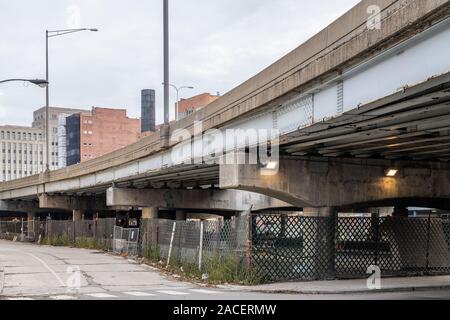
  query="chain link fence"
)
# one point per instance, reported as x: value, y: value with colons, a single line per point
x: 277, y: 247
x: 84, y: 233
x: 313, y: 248
x: 194, y: 242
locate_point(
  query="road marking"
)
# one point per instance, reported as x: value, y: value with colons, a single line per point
x: 101, y: 295
x: 204, y: 291
x: 139, y: 294
x: 46, y: 266
x: 20, y: 298
x: 174, y: 293
x: 63, y: 297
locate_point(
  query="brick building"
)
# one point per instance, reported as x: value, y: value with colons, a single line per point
x: 189, y: 106
x: 104, y: 130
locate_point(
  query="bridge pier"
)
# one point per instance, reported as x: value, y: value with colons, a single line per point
x: 318, y: 182
x: 400, y: 211
x: 209, y: 199
x: 180, y: 215
x: 78, y: 215
x: 150, y: 213
x: 321, y: 234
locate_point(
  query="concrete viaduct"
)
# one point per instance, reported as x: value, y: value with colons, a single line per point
x: 352, y: 102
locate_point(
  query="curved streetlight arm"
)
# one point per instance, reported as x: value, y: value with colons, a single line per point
x: 38, y: 82
x: 51, y: 34
x: 178, y: 89
x: 57, y: 33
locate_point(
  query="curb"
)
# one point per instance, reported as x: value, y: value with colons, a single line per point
x: 330, y: 292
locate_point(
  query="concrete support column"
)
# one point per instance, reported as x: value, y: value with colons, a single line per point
x: 31, y: 225
x: 180, y: 215
x: 320, y: 244
x: 401, y: 212
x: 150, y: 236
x: 150, y: 213
x: 31, y: 216
x: 78, y: 215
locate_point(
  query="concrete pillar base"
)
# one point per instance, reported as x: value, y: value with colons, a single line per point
x: 401, y: 212
x: 180, y: 215
x: 31, y: 216
x: 78, y: 215
x: 322, y: 240
x: 150, y: 213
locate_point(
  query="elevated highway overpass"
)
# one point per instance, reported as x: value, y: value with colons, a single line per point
x: 348, y: 104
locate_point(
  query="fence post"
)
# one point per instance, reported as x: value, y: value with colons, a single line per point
x: 376, y: 221
x: 22, y: 238
x: 171, y: 243
x: 427, y: 265
x: 200, y: 253
x: 250, y: 240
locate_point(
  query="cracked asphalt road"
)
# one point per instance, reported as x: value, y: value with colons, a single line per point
x: 29, y: 271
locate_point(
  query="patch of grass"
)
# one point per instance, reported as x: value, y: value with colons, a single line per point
x: 151, y: 254
x: 57, y: 241
x: 227, y: 268
x: 85, y: 243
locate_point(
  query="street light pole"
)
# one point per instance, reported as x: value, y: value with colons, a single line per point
x: 166, y: 63
x: 47, y: 106
x: 48, y: 35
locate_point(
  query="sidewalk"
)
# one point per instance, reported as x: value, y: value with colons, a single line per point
x: 351, y: 286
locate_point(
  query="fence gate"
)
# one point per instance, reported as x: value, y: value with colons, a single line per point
x: 126, y: 240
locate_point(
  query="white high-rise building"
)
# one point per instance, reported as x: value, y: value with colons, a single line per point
x: 62, y: 141
x: 54, y: 114
x: 23, y: 149
x: 22, y: 152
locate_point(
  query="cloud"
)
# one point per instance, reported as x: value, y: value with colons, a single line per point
x: 215, y: 45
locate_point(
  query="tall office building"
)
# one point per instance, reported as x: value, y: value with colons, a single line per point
x: 103, y: 131
x: 23, y: 151
x: 54, y: 118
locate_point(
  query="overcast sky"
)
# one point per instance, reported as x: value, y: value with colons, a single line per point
x: 215, y: 46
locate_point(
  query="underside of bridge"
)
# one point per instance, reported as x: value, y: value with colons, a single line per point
x: 412, y: 124
x: 341, y: 128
